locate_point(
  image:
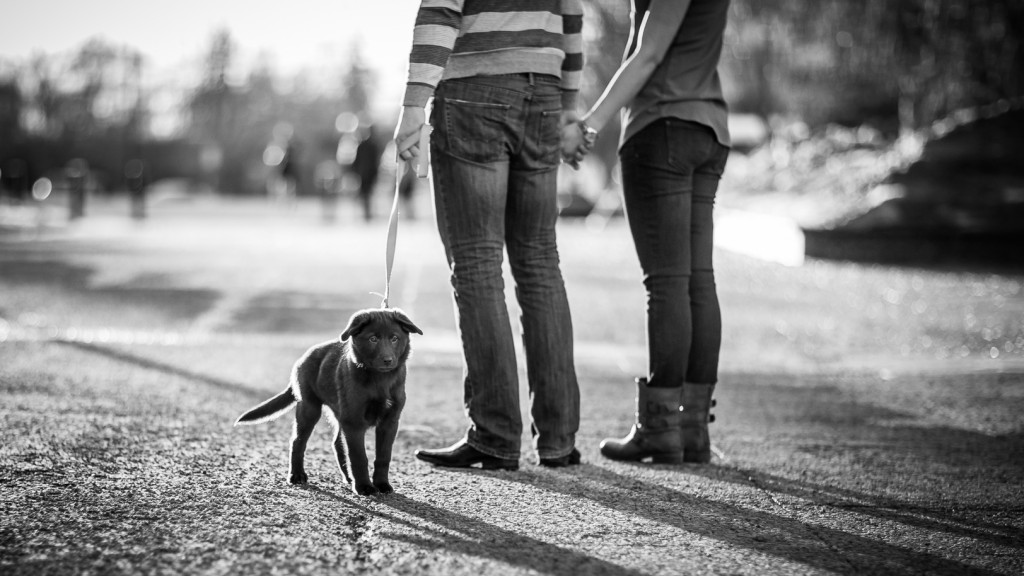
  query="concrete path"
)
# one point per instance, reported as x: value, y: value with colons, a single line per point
x: 869, y: 418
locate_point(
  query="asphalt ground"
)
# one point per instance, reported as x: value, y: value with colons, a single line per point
x: 869, y: 418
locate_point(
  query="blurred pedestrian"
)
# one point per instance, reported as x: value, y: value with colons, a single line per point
x: 135, y: 176
x: 406, y: 188
x: 281, y: 159
x: 289, y: 174
x: 327, y: 176
x: 78, y: 173
x: 367, y: 165
x: 674, y: 146
x: 504, y: 79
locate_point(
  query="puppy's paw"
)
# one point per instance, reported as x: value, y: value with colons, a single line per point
x: 298, y: 478
x: 384, y: 487
x: 364, y: 489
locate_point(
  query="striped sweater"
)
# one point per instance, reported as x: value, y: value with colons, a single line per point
x: 462, y: 38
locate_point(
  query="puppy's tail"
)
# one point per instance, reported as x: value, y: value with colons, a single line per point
x: 270, y: 409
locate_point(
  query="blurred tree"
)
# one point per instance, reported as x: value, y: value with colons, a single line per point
x: 91, y: 104
x: 98, y: 88
x: 210, y: 104
x: 233, y: 120
x: 358, y: 83
x: 213, y: 113
x: 87, y: 103
x: 893, y: 64
x: 897, y: 64
x: 957, y: 53
x: 11, y: 136
x: 131, y: 98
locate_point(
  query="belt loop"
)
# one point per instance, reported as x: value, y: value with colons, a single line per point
x: 532, y: 79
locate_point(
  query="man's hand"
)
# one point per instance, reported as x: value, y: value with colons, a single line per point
x: 574, y: 145
x: 407, y: 134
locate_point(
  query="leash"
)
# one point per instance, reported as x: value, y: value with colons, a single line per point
x: 421, y: 172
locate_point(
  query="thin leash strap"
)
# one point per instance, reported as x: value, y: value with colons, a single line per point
x: 400, y: 170
x: 393, y: 232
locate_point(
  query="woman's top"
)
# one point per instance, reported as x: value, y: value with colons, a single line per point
x: 463, y: 38
x: 686, y: 84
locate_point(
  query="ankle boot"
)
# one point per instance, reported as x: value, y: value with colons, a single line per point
x: 657, y: 431
x: 697, y: 404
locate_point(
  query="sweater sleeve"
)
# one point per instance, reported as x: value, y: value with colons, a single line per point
x: 572, y: 66
x: 437, y: 26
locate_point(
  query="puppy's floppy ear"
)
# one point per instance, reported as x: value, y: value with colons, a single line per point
x: 405, y: 322
x: 356, y: 324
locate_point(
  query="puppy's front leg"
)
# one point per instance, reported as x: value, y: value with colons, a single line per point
x: 339, y: 451
x: 386, y: 432
x: 355, y: 438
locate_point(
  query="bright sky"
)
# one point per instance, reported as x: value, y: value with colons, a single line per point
x: 296, y: 34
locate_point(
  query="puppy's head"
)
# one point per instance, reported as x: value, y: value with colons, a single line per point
x: 379, y: 338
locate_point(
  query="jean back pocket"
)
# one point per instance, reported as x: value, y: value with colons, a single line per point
x: 474, y: 129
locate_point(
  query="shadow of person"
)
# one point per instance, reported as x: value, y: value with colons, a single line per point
x: 164, y: 367
x: 434, y: 528
x: 941, y: 478
x: 956, y: 522
x: 783, y: 534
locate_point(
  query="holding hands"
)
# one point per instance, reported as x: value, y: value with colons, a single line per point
x: 577, y: 140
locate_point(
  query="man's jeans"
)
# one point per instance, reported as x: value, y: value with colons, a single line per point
x: 495, y: 156
x: 670, y: 174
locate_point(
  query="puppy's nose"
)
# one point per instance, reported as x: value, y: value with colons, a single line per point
x: 388, y: 360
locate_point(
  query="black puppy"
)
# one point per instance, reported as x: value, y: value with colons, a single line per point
x: 361, y: 378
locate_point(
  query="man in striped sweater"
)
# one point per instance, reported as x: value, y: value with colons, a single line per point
x: 504, y: 77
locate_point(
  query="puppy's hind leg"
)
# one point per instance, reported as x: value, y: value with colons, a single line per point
x: 307, y: 414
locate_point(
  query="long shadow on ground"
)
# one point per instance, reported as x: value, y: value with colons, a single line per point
x: 770, y: 534
x: 480, y: 539
x: 938, y: 519
x: 164, y: 367
x: 144, y: 291
x: 952, y: 480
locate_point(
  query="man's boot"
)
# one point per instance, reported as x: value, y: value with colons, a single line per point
x: 657, y: 433
x: 697, y: 403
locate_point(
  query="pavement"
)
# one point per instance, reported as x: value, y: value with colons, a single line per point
x: 868, y: 421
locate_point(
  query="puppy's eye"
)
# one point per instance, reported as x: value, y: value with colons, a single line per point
x: 394, y: 338
x: 374, y: 339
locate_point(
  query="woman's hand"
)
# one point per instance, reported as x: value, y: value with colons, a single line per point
x: 407, y: 134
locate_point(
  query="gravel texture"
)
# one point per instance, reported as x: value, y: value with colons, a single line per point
x: 869, y: 418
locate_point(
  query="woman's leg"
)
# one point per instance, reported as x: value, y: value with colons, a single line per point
x: 669, y: 179
x: 702, y: 367
x: 659, y: 208
x: 705, y: 313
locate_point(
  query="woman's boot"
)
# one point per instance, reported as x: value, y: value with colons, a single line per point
x: 697, y: 405
x: 657, y: 431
